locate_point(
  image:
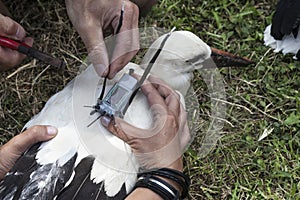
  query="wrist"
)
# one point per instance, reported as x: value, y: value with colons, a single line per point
x: 177, y: 165
x: 143, y: 193
x: 167, y: 183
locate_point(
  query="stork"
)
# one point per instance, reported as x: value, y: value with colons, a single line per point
x: 88, y: 162
x: 283, y: 34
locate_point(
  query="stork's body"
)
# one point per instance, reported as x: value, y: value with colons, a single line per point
x: 88, y: 162
x: 283, y: 34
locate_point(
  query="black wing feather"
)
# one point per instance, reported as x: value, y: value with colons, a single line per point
x: 286, y: 19
x: 16, y: 178
x: 18, y: 182
x: 82, y: 187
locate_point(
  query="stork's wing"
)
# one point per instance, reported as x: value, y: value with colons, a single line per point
x: 30, y: 180
x: 286, y: 19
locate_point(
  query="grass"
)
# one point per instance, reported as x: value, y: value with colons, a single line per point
x: 264, y: 97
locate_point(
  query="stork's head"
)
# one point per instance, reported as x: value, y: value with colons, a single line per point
x: 182, y: 53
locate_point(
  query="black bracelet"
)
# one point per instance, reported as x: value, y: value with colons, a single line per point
x: 187, y: 180
x: 178, y: 173
x: 181, y: 179
x: 159, y: 186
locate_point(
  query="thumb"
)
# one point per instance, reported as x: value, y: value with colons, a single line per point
x: 10, y: 28
x: 20, y: 143
x: 13, y: 149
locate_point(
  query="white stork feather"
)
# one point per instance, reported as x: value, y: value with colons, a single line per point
x: 282, y: 34
x: 288, y: 44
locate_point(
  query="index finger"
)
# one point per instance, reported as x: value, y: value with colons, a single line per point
x: 11, y: 29
x: 127, y: 41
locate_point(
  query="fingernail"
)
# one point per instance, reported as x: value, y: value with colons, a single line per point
x: 101, y: 69
x: 51, y: 130
x: 105, y: 121
x: 20, y: 34
x: 112, y: 75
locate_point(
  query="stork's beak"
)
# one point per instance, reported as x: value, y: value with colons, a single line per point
x: 225, y: 59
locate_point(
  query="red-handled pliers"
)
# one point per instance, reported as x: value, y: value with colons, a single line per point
x: 29, y: 51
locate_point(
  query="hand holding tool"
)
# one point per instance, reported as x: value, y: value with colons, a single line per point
x: 29, y: 51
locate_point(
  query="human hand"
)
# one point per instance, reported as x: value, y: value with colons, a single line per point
x: 13, y: 149
x: 92, y: 17
x: 9, y: 28
x: 162, y: 145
